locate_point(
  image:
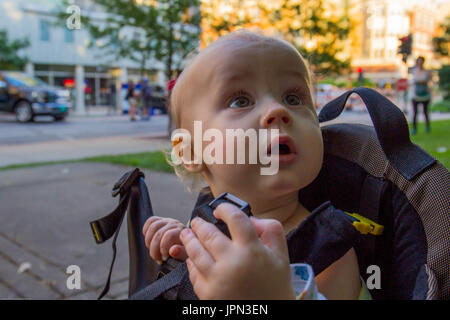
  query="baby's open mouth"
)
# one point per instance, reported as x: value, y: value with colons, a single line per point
x: 286, y: 148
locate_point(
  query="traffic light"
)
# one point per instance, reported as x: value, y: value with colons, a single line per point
x: 405, y: 47
x: 360, y: 75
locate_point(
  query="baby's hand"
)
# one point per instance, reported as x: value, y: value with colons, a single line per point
x: 254, y: 265
x: 162, y: 237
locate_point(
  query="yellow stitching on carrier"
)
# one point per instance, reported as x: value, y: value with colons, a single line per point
x: 95, y: 232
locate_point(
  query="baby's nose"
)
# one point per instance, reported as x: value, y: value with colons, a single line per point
x: 276, y: 115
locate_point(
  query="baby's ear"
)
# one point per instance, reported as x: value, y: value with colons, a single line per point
x: 182, y: 144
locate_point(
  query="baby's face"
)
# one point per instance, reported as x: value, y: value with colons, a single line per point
x: 244, y: 85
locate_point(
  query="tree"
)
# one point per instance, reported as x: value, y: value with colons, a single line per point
x: 179, y: 32
x: 315, y: 27
x: 441, y: 43
x: 144, y: 30
x: 9, y: 57
x: 444, y: 81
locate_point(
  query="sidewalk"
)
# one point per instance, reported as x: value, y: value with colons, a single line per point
x: 80, y: 148
x: 99, y: 111
x: 45, y: 225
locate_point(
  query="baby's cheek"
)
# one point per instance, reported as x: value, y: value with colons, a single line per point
x: 317, y: 146
x: 311, y: 154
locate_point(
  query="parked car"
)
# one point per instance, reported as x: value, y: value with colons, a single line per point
x: 28, y: 97
x: 158, y: 97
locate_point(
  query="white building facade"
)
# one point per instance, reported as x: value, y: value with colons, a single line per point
x: 61, y: 56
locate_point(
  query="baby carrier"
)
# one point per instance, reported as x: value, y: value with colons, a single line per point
x: 374, y: 173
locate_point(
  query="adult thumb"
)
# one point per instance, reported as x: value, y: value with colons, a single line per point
x: 271, y: 233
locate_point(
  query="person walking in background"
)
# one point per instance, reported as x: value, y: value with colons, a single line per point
x: 132, y: 101
x: 112, y: 98
x: 421, y: 92
x: 402, y: 93
x: 146, y: 95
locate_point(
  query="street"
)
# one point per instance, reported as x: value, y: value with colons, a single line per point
x: 44, y: 129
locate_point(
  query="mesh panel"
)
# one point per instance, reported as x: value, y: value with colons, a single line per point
x: 428, y: 193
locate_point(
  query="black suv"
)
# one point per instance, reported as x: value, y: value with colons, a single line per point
x: 28, y: 97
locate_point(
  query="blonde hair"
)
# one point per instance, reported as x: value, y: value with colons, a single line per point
x: 194, y: 182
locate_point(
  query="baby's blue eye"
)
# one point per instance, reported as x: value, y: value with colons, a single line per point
x: 292, y: 99
x: 240, y: 102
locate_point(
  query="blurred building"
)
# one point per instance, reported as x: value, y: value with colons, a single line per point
x: 378, y: 25
x: 61, y: 56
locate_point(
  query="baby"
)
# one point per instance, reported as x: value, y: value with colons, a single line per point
x: 247, y: 80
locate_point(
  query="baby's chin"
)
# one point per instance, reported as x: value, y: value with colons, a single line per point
x: 281, y: 183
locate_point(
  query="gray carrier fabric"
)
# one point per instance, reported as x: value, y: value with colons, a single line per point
x: 391, y: 130
x: 428, y: 193
x: 385, y: 151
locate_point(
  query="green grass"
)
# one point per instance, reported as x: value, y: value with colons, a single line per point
x: 441, y: 106
x: 146, y: 160
x: 438, y: 137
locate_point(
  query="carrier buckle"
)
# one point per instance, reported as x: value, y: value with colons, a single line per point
x: 365, y: 225
x: 241, y: 204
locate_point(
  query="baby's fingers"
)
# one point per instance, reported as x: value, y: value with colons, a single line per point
x: 170, y: 238
x: 155, y: 245
x: 152, y: 229
x: 148, y: 223
x: 178, y: 252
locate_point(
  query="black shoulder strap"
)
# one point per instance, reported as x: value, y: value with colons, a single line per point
x: 370, y: 205
x: 371, y: 197
x: 322, y: 238
x: 177, y: 279
x: 391, y: 128
x: 104, y: 228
